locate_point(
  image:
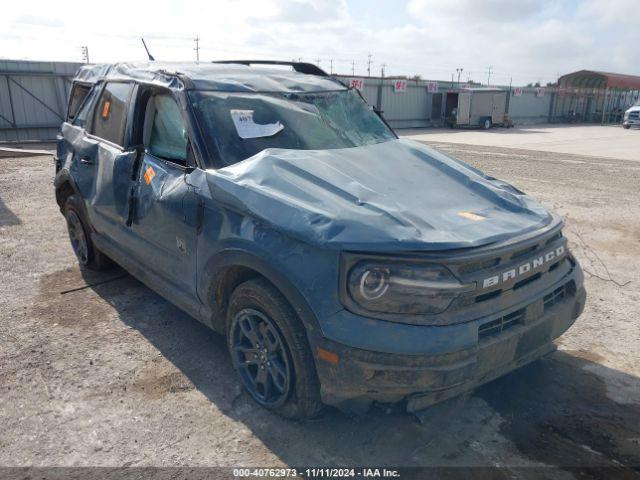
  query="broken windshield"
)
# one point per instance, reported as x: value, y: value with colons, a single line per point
x: 243, y: 124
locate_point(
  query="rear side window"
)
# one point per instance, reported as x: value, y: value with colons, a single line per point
x: 166, y: 130
x: 78, y: 94
x: 86, y: 110
x: 110, y: 115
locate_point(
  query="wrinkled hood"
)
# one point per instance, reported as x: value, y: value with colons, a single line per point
x: 396, y: 195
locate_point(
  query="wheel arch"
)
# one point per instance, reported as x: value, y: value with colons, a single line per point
x: 65, y: 186
x: 233, y: 266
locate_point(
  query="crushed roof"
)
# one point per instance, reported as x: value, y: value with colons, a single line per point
x: 210, y: 76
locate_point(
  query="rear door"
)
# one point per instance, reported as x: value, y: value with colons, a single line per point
x: 464, y: 108
x: 109, y: 163
x: 499, y: 106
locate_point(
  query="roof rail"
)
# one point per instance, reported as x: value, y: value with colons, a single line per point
x: 301, y: 67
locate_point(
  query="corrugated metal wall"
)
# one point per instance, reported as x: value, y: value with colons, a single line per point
x: 529, y: 108
x: 413, y: 108
x: 33, y: 98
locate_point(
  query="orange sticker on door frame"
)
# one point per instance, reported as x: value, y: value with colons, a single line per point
x: 106, y: 108
x: 149, y: 174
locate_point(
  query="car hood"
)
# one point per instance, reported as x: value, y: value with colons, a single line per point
x: 396, y: 195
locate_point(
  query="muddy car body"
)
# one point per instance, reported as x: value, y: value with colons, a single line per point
x: 343, y: 264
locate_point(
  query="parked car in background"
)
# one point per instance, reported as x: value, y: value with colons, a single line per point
x: 631, y: 117
x: 344, y: 265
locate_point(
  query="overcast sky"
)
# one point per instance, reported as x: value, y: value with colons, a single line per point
x: 529, y: 40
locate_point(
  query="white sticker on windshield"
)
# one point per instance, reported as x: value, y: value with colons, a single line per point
x: 247, y: 128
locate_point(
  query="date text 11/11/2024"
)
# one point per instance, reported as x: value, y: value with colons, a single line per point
x: 319, y: 472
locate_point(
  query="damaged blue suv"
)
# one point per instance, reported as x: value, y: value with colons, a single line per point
x: 344, y: 265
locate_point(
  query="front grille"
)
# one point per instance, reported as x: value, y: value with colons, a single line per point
x: 501, y: 324
x: 555, y: 297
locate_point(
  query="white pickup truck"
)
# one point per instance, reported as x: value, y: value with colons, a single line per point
x: 631, y: 117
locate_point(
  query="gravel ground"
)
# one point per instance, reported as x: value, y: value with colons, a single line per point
x: 111, y: 374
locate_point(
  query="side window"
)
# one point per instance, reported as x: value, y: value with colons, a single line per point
x: 78, y: 94
x: 110, y: 115
x: 86, y: 110
x: 165, y: 130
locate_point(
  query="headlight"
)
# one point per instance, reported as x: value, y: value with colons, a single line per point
x: 403, y: 288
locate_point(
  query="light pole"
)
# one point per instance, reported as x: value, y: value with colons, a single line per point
x: 459, y: 70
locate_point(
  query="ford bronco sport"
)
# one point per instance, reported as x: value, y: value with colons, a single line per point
x: 343, y: 264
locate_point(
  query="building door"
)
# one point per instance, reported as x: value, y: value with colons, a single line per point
x: 436, y: 106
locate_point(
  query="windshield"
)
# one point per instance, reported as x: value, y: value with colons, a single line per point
x: 243, y: 124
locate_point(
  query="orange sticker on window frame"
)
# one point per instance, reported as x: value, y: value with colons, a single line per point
x: 149, y: 175
x: 106, y: 109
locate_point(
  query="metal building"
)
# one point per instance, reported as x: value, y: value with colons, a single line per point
x: 33, y: 98
x: 598, y: 97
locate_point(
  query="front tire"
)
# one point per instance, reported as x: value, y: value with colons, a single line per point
x: 270, y: 351
x: 80, y: 236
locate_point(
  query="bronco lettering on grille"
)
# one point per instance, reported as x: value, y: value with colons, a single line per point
x: 524, y: 268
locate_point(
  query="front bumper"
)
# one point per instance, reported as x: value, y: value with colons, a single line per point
x: 364, y: 376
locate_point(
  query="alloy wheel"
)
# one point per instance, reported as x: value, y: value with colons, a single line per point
x: 260, y: 356
x: 77, y: 237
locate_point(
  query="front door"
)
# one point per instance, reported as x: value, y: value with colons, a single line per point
x: 165, y: 208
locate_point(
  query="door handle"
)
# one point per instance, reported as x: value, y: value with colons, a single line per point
x: 86, y: 160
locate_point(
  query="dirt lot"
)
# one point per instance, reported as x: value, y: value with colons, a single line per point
x: 606, y: 141
x: 112, y: 374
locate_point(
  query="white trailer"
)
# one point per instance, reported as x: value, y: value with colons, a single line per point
x: 477, y: 107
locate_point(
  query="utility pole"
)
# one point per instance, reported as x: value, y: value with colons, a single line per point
x: 459, y: 70
x: 369, y: 65
x: 353, y: 67
x: 85, y: 53
x: 331, y: 66
x: 489, y: 68
x: 197, y: 49
x: 382, y: 70
x: 318, y: 61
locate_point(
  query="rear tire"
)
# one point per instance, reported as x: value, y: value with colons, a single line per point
x: 487, y: 124
x: 80, y: 236
x: 626, y: 127
x: 270, y: 351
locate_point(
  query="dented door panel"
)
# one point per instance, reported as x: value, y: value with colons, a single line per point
x: 163, y: 227
x: 113, y: 184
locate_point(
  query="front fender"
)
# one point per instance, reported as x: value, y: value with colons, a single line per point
x: 241, y: 253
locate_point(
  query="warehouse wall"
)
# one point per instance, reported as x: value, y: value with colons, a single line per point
x: 33, y: 98
x: 529, y: 108
x: 413, y: 107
